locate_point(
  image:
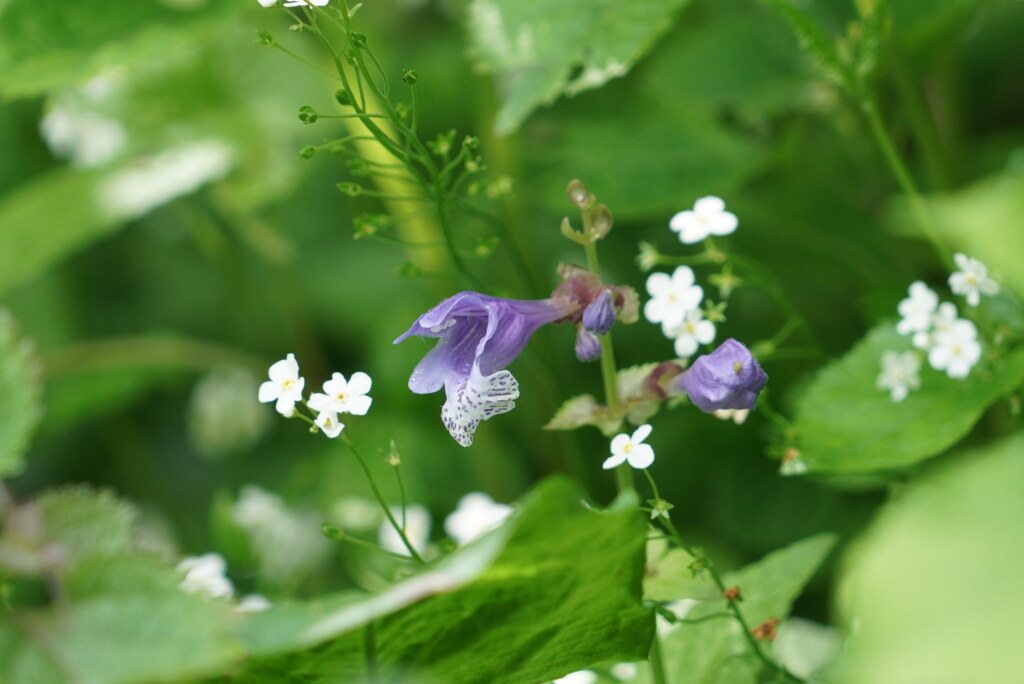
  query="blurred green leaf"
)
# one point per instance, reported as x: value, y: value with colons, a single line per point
x: 86, y: 522
x: 816, y: 43
x: 844, y: 423
x: 983, y: 220
x: 533, y: 46
x: 934, y: 587
x: 715, y: 649
x: 20, y: 408
x: 562, y: 594
x: 48, y: 44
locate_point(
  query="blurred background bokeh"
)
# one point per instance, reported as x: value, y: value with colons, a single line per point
x: 162, y: 244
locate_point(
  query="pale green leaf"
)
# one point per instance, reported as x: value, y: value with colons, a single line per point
x: 85, y: 522
x: 844, y: 423
x: 20, y: 408
x: 533, y: 46
x: 934, y: 586
x: 703, y: 651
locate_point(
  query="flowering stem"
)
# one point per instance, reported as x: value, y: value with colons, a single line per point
x: 380, y: 500
x: 623, y: 473
x: 734, y: 607
x: 903, y: 177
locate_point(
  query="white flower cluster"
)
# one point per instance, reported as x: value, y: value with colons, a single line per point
x: 207, y: 575
x: 475, y: 515
x: 708, y: 217
x: 675, y: 303
x: 339, y: 396
x: 950, y: 342
x: 287, y: 542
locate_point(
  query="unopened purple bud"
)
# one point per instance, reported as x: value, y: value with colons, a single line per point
x: 727, y: 378
x: 588, y: 346
x: 600, y: 314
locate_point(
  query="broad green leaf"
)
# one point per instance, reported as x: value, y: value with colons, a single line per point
x: 20, y: 408
x: 48, y: 44
x: 934, y: 586
x: 136, y: 626
x: 983, y: 221
x: 563, y: 594
x: 86, y: 522
x: 816, y: 43
x: 704, y: 651
x: 845, y: 424
x: 533, y: 46
x: 65, y: 202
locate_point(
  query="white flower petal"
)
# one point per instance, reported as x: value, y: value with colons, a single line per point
x: 269, y: 391
x: 641, y: 433
x: 359, y: 383
x: 613, y: 461
x: 709, y: 205
x: 619, y: 443
x: 641, y: 456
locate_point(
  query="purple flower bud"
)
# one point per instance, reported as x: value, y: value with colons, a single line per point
x: 727, y: 378
x: 588, y: 346
x: 600, y: 314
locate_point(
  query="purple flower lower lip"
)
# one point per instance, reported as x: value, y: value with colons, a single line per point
x: 727, y: 378
x: 479, y: 336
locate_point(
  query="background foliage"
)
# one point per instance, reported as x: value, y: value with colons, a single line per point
x: 140, y: 313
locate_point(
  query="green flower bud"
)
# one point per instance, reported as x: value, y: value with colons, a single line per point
x: 410, y: 77
x: 307, y: 152
x: 263, y: 37
x: 343, y: 97
x: 307, y: 114
x: 350, y: 189
x: 358, y: 40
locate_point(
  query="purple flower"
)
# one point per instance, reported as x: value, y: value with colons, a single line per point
x: 599, y: 315
x: 479, y: 336
x: 727, y: 378
x: 588, y: 346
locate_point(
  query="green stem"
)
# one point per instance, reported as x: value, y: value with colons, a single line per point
x: 734, y: 607
x: 903, y: 177
x: 657, y: 662
x: 624, y: 473
x: 380, y: 500
x: 370, y: 649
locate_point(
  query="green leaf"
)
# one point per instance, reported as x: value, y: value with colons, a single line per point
x: 579, y: 411
x: 533, y: 46
x: 20, y: 408
x: 563, y: 594
x: 934, y: 586
x: 816, y: 43
x: 845, y: 424
x: 65, y: 202
x: 49, y: 44
x: 704, y: 651
x: 86, y: 522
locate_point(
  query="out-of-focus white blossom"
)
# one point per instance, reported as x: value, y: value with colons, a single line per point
x: 417, y: 530
x: 900, y: 374
x: 672, y: 297
x: 708, y: 217
x: 206, y: 575
x: 956, y: 350
x: 475, y: 515
x: 284, y: 387
x: 972, y: 280
x: 917, y: 309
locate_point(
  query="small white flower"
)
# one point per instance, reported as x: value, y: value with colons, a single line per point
x: 738, y: 416
x: 304, y: 3
x: 475, y: 515
x: 253, y: 603
x: 690, y: 333
x: 417, y: 530
x: 206, y: 575
x: 624, y: 671
x: 956, y: 350
x: 581, y: 677
x: 285, y: 385
x: 329, y: 424
x: 672, y: 296
x: 899, y: 374
x: 708, y: 217
x: 917, y: 309
x: 356, y: 513
x: 971, y: 280
x: 268, y: 3
x: 942, y: 319
x: 793, y: 466
x: 631, y: 449
x: 341, y: 396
